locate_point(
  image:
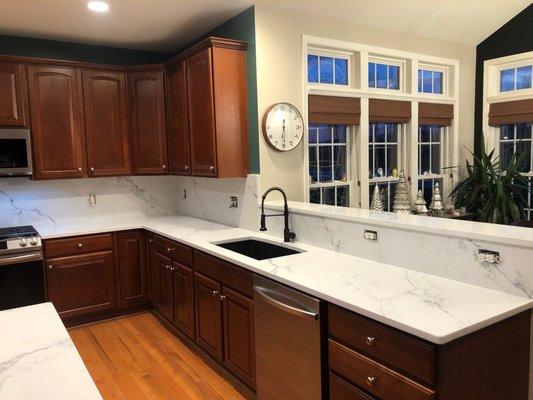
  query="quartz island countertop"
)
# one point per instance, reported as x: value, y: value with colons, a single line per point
x: 38, y: 360
x: 435, y: 309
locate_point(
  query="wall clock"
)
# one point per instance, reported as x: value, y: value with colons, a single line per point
x: 283, y: 126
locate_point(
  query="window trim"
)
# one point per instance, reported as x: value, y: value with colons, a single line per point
x: 332, y: 54
x: 515, y: 66
x: 445, y: 79
x: 387, y: 61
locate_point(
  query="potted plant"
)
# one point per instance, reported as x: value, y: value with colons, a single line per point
x: 493, y: 194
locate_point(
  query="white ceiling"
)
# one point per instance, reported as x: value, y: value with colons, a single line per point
x: 166, y: 25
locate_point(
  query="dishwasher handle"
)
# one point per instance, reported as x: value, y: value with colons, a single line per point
x: 274, y: 299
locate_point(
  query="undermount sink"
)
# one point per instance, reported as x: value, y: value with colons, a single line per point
x: 258, y: 249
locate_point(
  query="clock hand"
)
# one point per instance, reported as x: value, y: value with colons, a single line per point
x: 283, y: 129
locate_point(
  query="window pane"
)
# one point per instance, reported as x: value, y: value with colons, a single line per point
x: 379, y: 161
x: 394, y: 77
x: 524, y: 148
x: 326, y: 70
x: 424, y: 159
x: 314, y: 196
x: 506, y: 152
x: 324, y: 133
x: 419, y: 81
x: 313, y: 133
x: 427, y: 82
x: 379, y: 132
x: 437, y: 82
x: 339, y: 134
x: 339, y: 154
x: 381, y: 76
x: 343, y: 198
x: 392, y: 133
x: 523, y: 77
x: 326, y: 164
x: 424, y: 134
x: 523, y: 131
x: 435, y: 158
x: 435, y: 134
x: 507, y: 132
x: 371, y: 75
x: 507, y: 80
x: 371, y: 172
x: 392, y: 158
x: 312, y: 68
x: 328, y: 196
x: 341, y: 71
x: 313, y: 165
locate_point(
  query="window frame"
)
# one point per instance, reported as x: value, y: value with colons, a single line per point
x: 332, y: 54
x: 515, y: 66
x: 401, y: 64
x: 434, y: 68
x: 444, y: 154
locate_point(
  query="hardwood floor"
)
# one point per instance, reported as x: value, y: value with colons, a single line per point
x: 135, y: 357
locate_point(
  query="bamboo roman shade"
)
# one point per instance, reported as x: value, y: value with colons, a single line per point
x: 334, y: 110
x: 435, y: 114
x: 390, y: 111
x: 511, y: 112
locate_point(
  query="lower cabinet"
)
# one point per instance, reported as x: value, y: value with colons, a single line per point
x: 208, y: 315
x: 164, y: 302
x: 133, y: 276
x: 183, y: 280
x: 81, y: 284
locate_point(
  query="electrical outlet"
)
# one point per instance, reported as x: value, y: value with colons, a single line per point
x: 488, y: 256
x: 233, y: 202
x: 92, y: 199
x: 371, y: 235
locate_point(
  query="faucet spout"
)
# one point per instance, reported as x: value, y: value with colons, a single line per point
x: 288, y: 236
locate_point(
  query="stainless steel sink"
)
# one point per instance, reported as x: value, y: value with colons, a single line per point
x: 258, y: 249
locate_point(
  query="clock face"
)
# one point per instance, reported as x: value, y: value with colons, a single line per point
x: 283, y: 126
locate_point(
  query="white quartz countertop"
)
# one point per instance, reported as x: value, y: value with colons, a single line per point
x: 432, y: 308
x: 38, y: 360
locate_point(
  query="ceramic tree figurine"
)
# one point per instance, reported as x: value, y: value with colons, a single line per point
x: 402, y: 198
x: 377, y: 204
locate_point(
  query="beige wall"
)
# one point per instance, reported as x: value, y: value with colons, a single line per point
x: 279, y: 77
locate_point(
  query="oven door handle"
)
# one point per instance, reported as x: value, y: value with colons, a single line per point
x: 270, y: 297
x: 22, y: 258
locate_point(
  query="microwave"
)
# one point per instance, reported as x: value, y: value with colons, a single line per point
x: 15, y: 152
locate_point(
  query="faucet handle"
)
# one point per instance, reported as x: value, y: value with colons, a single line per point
x: 263, y: 223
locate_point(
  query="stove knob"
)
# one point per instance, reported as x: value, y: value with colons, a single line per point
x: 34, y: 241
x: 23, y: 242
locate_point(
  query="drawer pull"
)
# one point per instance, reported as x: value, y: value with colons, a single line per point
x: 167, y: 267
x: 170, y: 249
x: 214, y: 292
x: 211, y: 167
x: 222, y: 297
x: 50, y: 267
x: 370, y: 340
x: 370, y: 381
x: 80, y: 245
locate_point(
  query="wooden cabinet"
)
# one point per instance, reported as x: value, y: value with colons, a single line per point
x: 215, y: 80
x: 150, y: 262
x: 163, y: 273
x: 178, y: 124
x: 55, y: 96
x: 133, y: 282
x: 208, y: 315
x: 81, y: 284
x: 106, y: 122
x: 147, y: 122
x: 13, y: 97
x: 239, y: 342
x: 184, y: 299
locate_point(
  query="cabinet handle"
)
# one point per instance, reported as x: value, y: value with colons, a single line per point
x: 370, y: 380
x: 50, y: 267
x: 170, y: 249
x: 151, y: 240
x: 80, y: 245
x: 80, y: 169
x: 92, y: 169
x: 164, y: 166
x: 212, y: 168
x: 168, y: 267
x: 222, y: 297
x: 370, y: 340
x: 186, y: 167
x: 214, y: 292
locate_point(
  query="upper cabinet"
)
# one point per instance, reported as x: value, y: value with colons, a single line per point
x: 147, y: 121
x: 13, y: 100
x: 216, y: 88
x: 55, y: 96
x: 106, y: 122
x: 178, y: 123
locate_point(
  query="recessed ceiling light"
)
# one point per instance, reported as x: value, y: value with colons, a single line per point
x: 98, y: 6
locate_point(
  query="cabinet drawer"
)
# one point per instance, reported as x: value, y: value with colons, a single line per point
x: 339, y: 389
x: 77, y: 245
x: 176, y: 251
x: 376, y: 378
x: 229, y: 274
x: 400, y: 351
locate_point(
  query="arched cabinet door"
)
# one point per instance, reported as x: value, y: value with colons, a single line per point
x: 55, y: 96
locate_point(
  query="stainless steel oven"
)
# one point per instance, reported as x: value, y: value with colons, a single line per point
x: 15, y: 152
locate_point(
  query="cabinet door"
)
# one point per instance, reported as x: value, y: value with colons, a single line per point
x: 133, y: 283
x: 148, y: 125
x: 106, y: 123
x: 56, y: 103
x: 13, y: 98
x: 184, y: 299
x: 201, y: 114
x: 239, y: 343
x: 163, y: 296
x: 81, y: 284
x: 178, y: 124
x: 208, y: 315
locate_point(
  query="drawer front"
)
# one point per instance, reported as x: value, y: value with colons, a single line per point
x: 176, y: 251
x: 229, y: 274
x: 409, y: 355
x: 376, y: 378
x: 77, y: 245
x: 339, y: 389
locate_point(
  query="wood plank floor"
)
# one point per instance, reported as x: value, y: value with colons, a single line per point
x: 135, y: 357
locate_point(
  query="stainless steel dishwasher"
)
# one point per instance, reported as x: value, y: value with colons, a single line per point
x: 288, y: 348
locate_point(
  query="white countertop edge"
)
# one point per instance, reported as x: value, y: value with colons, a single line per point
x: 506, y: 234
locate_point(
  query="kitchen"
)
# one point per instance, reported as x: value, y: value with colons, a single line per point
x: 147, y: 249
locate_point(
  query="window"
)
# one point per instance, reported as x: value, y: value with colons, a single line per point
x: 430, y: 81
x: 430, y: 157
x: 327, y: 69
x: 515, y: 78
x: 516, y: 139
x: 328, y: 165
x: 383, y: 76
x: 383, y: 160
